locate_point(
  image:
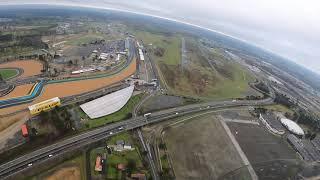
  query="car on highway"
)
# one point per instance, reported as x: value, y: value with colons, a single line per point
x: 50, y: 155
x: 30, y: 164
x: 110, y: 133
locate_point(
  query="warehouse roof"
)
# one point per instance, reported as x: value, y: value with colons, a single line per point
x: 107, y: 104
x: 292, y: 126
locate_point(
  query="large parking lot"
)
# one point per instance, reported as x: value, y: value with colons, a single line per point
x: 271, y: 156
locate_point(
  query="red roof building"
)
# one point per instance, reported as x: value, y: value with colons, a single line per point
x: 98, y: 166
x: 24, y: 130
x: 121, y: 167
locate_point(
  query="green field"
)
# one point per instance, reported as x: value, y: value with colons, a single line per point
x: 171, y: 44
x: 279, y: 107
x: 8, y: 73
x: 118, y: 157
x: 122, y: 114
x: 84, y: 39
x: 222, y: 79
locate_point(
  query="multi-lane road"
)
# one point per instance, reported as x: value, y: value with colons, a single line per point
x: 41, y: 155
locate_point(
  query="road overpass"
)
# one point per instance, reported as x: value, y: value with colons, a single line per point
x: 20, y: 164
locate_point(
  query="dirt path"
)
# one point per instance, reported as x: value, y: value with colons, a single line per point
x: 10, y: 125
x: 30, y: 67
x: 69, y: 173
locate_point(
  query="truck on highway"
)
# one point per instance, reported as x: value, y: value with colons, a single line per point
x: 147, y: 115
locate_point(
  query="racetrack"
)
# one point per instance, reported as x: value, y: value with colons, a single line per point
x: 65, y: 89
x: 30, y: 67
x: 18, y: 91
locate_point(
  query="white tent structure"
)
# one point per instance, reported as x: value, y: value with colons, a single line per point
x: 107, y: 104
x: 292, y: 126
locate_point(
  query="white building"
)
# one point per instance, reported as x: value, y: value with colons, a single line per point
x: 292, y: 126
x: 271, y: 123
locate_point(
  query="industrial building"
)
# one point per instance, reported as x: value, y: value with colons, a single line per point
x: 316, y: 143
x: 305, y: 148
x: 292, y: 126
x: 272, y: 123
x: 44, y: 106
x: 141, y: 55
x: 107, y: 104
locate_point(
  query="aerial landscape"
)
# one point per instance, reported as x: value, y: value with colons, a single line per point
x: 89, y: 93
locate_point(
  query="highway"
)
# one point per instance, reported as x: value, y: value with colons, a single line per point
x: 36, y: 157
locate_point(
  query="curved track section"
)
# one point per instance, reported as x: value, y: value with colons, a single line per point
x: 34, y: 92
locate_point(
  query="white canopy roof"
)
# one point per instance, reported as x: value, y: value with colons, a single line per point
x: 107, y: 104
x: 292, y: 126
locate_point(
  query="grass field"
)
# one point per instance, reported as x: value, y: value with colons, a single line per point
x: 8, y: 73
x: 87, y: 38
x: 207, y: 152
x: 279, y: 107
x: 222, y: 79
x: 171, y: 44
x: 122, y: 114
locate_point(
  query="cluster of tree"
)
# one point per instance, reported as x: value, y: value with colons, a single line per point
x: 259, y: 110
x: 159, y: 51
x: 303, y: 117
x: 252, y: 97
x: 284, y: 100
x: 6, y: 37
x: 1, y: 79
x: 263, y: 87
x: 59, y: 117
x: 32, y: 40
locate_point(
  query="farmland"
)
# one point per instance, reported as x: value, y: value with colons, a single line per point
x: 270, y: 155
x: 205, y: 74
x: 73, y: 169
x: 209, y: 154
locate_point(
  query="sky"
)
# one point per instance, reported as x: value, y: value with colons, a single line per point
x: 290, y: 28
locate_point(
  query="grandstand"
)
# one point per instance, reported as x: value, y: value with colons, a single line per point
x: 305, y: 148
x: 272, y: 123
x: 107, y: 104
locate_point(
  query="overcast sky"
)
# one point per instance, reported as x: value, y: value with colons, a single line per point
x: 290, y: 28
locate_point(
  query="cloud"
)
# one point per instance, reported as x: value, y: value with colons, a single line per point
x: 288, y: 27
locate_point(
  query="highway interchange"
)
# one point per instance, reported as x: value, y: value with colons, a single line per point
x: 24, y: 162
